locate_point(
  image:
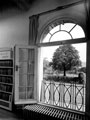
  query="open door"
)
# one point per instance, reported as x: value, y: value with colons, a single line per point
x: 25, y: 75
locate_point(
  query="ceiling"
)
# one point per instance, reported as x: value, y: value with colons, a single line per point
x: 17, y: 4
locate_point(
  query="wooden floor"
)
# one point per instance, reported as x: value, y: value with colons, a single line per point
x: 8, y: 115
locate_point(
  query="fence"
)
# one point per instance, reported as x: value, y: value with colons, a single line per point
x: 67, y: 95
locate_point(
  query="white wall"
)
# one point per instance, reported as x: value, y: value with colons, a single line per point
x: 13, y: 29
x: 14, y: 25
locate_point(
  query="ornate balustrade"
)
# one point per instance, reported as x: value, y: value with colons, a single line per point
x: 67, y: 95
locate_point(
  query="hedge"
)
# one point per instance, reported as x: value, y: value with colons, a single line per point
x: 65, y: 79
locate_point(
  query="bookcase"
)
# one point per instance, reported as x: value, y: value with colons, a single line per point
x: 18, y: 85
x: 6, y: 78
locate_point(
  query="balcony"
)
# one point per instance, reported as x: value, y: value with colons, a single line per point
x: 66, y: 95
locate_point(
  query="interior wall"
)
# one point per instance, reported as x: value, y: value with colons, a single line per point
x: 13, y: 28
x: 14, y: 24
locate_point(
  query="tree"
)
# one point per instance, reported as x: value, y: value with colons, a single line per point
x: 45, y: 64
x: 47, y: 69
x: 82, y: 69
x: 65, y: 58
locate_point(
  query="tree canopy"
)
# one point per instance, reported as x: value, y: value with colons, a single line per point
x: 65, y: 58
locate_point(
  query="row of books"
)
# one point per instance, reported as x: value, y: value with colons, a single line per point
x: 5, y: 96
x: 5, y: 88
x: 6, y: 79
x: 8, y: 63
x: 6, y: 71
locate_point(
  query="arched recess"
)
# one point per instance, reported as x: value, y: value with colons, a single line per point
x: 49, y: 25
x: 65, y: 25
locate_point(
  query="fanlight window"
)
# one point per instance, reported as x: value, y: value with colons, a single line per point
x: 62, y: 32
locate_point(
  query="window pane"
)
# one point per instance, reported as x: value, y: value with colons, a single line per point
x: 46, y: 39
x: 67, y: 26
x: 23, y: 55
x: 30, y: 80
x: 55, y: 29
x: 22, y: 93
x: 23, y: 79
x: 77, y: 32
x: 23, y: 67
x: 62, y: 35
x: 30, y: 93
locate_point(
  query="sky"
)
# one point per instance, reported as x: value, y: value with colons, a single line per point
x: 81, y: 47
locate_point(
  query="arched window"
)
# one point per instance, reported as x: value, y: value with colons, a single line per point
x: 57, y: 89
x: 65, y: 31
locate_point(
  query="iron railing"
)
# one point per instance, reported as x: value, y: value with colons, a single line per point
x: 67, y: 95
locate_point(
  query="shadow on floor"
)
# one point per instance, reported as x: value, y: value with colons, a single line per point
x: 9, y: 115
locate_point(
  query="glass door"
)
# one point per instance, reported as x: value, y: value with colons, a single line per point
x: 25, y: 75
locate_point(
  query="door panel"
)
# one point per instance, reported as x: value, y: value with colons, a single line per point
x: 25, y: 75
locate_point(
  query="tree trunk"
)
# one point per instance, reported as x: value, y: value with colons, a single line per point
x: 64, y: 71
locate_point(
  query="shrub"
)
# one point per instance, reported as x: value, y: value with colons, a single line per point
x: 83, y: 69
x: 65, y: 79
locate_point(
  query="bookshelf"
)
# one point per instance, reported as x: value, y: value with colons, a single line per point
x: 6, y: 78
x: 18, y: 85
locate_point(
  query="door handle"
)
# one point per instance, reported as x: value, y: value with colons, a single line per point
x: 16, y: 67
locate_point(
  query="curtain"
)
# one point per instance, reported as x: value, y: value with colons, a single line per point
x: 87, y: 5
x: 33, y: 29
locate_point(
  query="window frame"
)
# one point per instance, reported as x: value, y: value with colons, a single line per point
x: 71, y: 41
x: 62, y: 42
